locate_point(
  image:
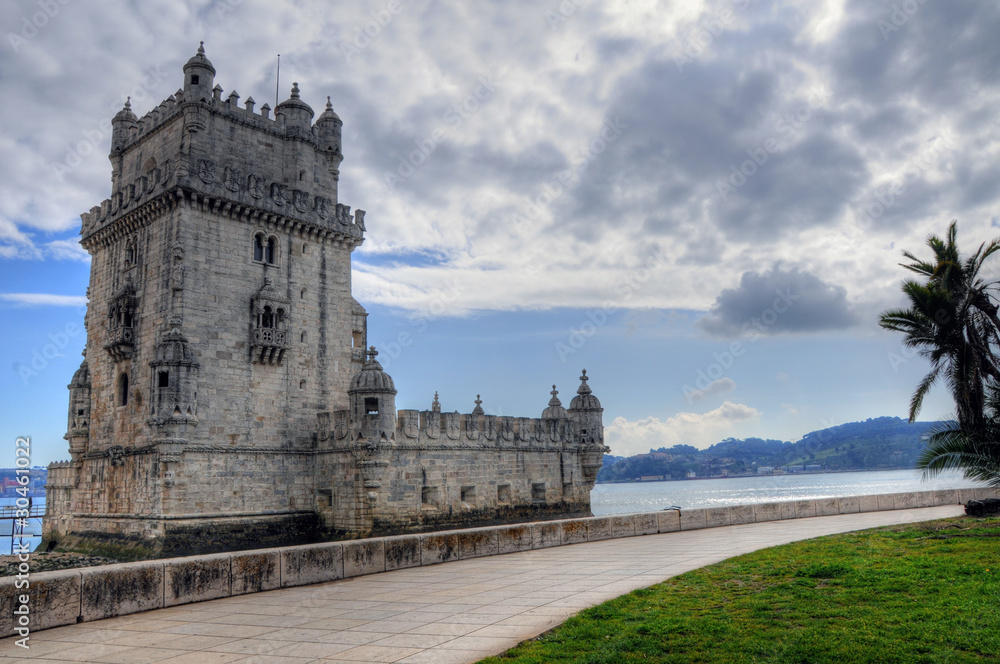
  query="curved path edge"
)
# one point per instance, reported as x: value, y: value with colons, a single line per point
x: 442, y: 614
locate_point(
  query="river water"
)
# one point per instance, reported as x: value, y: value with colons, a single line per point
x: 630, y: 497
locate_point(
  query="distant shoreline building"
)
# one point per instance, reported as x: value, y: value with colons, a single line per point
x: 227, y: 399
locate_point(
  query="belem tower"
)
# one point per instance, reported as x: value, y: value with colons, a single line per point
x: 227, y: 399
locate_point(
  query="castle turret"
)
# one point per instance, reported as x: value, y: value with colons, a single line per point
x: 328, y: 129
x: 294, y: 112
x: 373, y: 402
x: 78, y: 426
x: 555, y: 410
x: 199, y: 76
x: 586, y: 412
x: 123, y: 125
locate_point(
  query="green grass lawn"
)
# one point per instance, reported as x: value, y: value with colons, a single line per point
x: 926, y: 592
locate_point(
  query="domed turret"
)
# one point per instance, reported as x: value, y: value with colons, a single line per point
x: 175, y: 380
x: 199, y: 76
x: 122, y: 126
x: 373, y: 401
x: 78, y: 429
x: 328, y: 130
x: 294, y: 111
x: 555, y: 411
x: 585, y: 399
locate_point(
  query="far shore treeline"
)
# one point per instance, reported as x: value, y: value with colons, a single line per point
x: 883, y: 443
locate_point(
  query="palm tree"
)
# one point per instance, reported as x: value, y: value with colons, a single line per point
x: 953, y: 322
x: 976, y: 452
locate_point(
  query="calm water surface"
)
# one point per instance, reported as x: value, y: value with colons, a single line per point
x: 690, y: 494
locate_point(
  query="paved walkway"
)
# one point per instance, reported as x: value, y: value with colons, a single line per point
x: 444, y: 614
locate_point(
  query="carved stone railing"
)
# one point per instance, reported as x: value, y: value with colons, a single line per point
x: 269, y: 345
x: 121, y: 342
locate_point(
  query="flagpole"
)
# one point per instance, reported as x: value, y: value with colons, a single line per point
x: 277, y: 80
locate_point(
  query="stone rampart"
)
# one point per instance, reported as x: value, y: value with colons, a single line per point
x: 80, y: 595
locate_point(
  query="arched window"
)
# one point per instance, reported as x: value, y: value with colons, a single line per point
x: 258, y: 247
x: 130, y: 254
x: 123, y: 390
x: 267, y: 318
x: 270, y: 253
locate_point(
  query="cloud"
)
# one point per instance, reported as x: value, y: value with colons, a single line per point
x: 67, y: 250
x: 44, y: 299
x: 698, y: 429
x: 779, y: 301
x: 721, y: 386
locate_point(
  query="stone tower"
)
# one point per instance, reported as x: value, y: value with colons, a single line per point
x: 225, y: 399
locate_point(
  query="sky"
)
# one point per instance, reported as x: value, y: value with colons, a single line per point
x: 703, y: 204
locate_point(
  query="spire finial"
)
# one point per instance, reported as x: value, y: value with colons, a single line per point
x: 436, y: 406
x: 128, y: 103
x: 372, y: 353
x: 554, y: 401
x: 295, y: 90
x: 329, y: 104
x: 478, y: 410
x: 201, y: 48
x: 584, y: 388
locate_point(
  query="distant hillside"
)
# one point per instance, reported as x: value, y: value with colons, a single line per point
x: 876, y: 444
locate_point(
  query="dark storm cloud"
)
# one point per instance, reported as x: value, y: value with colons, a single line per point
x: 779, y: 301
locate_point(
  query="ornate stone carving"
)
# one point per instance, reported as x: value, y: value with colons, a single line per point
x: 206, y: 170
x: 233, y: 177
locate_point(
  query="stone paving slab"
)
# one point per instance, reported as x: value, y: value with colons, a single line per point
x: 454, y: 613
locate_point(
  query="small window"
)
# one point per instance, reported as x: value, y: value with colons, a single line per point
x: 302, y: 176
x: 371, y: 405
x: 303, y: 337
x: 271, y: 251
x: 302, y: 384
x: 258, y: 247
x: 305, y: 248
x: 194, y: 79
x: 429, y: 495
x: 163, y: 379
x: 267, y: 318
x: 302, y: 294
x: 468, y: 494
x: 503, y: 494
x: 538, y: 492
x: 123, y: 390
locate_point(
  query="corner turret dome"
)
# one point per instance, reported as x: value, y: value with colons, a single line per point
x: 584, y: 399
x: 329, y: 115
x: 555, y: 411
x: 126, y: 114
x: 199, y: 75
x: 372, y: 379
x: 295, y: 111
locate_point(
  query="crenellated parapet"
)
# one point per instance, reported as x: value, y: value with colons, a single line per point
x: 199, y: 148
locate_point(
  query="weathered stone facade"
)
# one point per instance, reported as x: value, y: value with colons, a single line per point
x: 225, y: 398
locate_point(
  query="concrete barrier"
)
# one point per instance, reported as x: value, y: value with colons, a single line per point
x: 197, y: 579
x: 117, y: 590
x: 76, y: 595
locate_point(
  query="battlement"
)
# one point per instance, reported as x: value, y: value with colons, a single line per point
x: 434, y: 428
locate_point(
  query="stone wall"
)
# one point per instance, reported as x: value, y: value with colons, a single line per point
x: 69, y: 596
